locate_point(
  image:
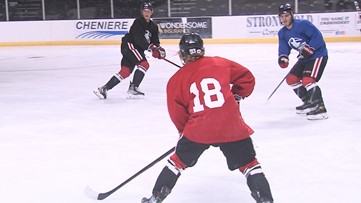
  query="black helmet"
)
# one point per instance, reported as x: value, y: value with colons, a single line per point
x: 191, y: 47
x: 285, y: 8
x: 146, y: 5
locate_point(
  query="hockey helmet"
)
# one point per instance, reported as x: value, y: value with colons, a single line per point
x: 146, y: 5
x: 285, y: 8
x: 191, y: 47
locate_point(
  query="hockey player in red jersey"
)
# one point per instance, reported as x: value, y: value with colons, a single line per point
x: 142, y: 36
x: 201, y: 99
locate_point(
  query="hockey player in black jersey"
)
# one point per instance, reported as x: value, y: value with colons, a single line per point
x: 142, y: 36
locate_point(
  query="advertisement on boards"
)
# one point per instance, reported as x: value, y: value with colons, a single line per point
x: 330, y: 24
x: 268, y: 25
x: 101, y: 29
x: 335, y: 24
x: 174, y: 28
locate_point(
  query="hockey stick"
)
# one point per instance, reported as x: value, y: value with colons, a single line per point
x: 100, y: 196
x: 277, y: 87
x: 282, y: 81
x: 172, y: 63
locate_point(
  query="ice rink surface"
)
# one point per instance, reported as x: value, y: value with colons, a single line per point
x: 57, y: 137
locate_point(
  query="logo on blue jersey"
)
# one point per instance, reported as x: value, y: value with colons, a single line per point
x: 295, y: 43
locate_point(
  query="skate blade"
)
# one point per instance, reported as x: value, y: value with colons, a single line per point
x: 132, y: 96
x: 100, y: 96
x: 305, y: 111
x: 321, y: 116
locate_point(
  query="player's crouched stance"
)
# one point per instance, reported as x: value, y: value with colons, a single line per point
x: 203, y: 108
x: 303, y: 36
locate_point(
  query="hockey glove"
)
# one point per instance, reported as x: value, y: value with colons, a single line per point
x: 305, y: 51
x: 237, y: 97
x: 157, y: 51
x: 283, y: 61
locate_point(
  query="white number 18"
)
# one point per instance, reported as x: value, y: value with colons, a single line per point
x: 205, y: 84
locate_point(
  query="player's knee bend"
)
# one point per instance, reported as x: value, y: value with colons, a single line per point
x: 291, y: 80
x: 143, y: 66
x: 307, y: 81
x: 173, y: 168
x: 123, y: 73
x: 175, y: 164
x: 253, y: 167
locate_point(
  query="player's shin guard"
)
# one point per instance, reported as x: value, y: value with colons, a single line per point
x: 260, y: 189
x: 300, y: 91
x: 138, y: 77
x: 166, y: 181
x: 257, y: 182
x: 115, y: 80
x: 139, y: 73
x: 319, y: 110
x: 314, y: 93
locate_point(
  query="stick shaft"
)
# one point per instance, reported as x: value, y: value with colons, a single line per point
x: 294, y: 67
x: 277, y: 87
x: 172, y: 63
x: 102, y: 196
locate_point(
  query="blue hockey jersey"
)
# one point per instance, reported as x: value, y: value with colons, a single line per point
x: 302, y: 31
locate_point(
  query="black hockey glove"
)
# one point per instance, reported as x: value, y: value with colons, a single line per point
x: 237, y: 97
x: 283, y: 61
x: 305, y: 52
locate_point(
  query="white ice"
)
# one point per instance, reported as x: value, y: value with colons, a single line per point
x: 57, y: 137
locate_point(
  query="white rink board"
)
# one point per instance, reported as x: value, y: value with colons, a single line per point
x: 339, y: 26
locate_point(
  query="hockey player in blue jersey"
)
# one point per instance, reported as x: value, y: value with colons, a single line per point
x: 304, y: 37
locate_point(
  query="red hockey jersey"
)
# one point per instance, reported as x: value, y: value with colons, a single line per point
x: 201, y: 103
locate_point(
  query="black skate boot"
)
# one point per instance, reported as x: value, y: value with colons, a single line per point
x: 134, y: 91
x: 306, y: 107
x: 320, y: 113
x: 158, y: 197
x: 102, y: 92
x: 256, y: 195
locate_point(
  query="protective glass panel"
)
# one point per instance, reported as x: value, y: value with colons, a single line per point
x: 23, y: 10
x: 61, y: 10
x: 2, y: 10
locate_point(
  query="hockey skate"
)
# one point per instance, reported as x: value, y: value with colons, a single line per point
x: 306, y: 107
x: 134, y: 92
x: 157, y: 197
x: 257, y: 196
x: 101, y: 93
x: 320, y: 113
